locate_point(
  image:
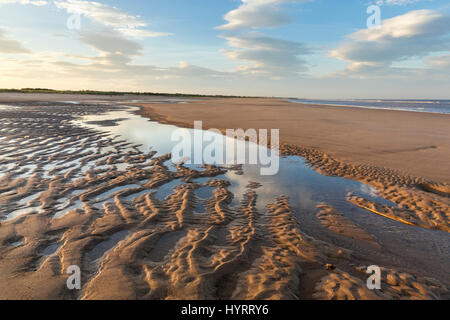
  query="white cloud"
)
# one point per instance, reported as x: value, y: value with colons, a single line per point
x: 32, y: 2
x: 109, y: 16
x: 257, y: 14
x: 395, y: 2
x: 267, y: 55
x: 111, y: 42
x: 419, y: 23
x: 415, y: 34
x: 263, y: 54
x: 115, y: 60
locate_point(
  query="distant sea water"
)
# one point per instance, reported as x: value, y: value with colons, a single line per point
x: 430, y: 106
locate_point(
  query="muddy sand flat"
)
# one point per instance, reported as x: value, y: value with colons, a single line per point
x: 74, y: 191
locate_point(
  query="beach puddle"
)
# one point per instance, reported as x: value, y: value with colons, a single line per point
x: 137, y: 194
x: 305, y: 187
x: 22, y: 212
x: 104, y: 247
x: 27, y: 200
x: 205, y: 192
x: 67, y: 208
x: 50, y: 249
x: 200, y: 207
x: 170, y: 166
x: 163, y: 246
x: 166, y: 189
x: 101, y: 204
x: 18, y: 243
x: 293, y: 179
x: 110, y: 193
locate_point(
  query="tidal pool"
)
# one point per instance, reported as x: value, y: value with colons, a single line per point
x: 305, y: 187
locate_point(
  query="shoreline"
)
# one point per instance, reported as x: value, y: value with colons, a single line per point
x: 360, y: 107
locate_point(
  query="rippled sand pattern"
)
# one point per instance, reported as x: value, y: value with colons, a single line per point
x: 421, y: 203
x: 71, y: 195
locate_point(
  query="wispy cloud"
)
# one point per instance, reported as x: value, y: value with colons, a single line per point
x: 111, y: 42
x: 267, y: 55
x: 10, y: 46
x: 439, y: 62
x: 415, y: 34
x: 114, y: 63
x: 408, y: 55
x: 109, y: 16
x: 257, y: 14
x: 262, y: 54
x: 395, y: 2
x: 32, y: 2
x: 119, y: 20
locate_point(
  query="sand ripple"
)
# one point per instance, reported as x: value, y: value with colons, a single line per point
x: 70, y: 195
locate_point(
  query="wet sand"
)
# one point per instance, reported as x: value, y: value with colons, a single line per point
x: 73, y: 195
x: 413, y: 143
x: 404, y: 155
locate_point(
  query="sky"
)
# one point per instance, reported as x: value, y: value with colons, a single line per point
x: 326, y: 49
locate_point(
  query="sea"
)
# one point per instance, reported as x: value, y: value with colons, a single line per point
x: 430, y: 106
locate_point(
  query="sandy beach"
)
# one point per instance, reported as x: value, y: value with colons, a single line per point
x: 236, y: 159
x: 413, y: 143
x: 88, y: 181
x: 404, y: 155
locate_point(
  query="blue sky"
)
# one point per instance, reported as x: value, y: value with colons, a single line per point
x: 296, y: 48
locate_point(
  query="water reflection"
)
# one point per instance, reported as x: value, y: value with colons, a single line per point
x: 295, y: 178
x: 305, y: 187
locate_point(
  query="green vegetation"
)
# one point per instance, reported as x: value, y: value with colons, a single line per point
x: 111, y: 93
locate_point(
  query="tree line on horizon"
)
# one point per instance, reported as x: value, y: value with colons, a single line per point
x: 113, y: 93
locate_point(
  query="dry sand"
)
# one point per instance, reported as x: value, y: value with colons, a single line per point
x: 150, y: 248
